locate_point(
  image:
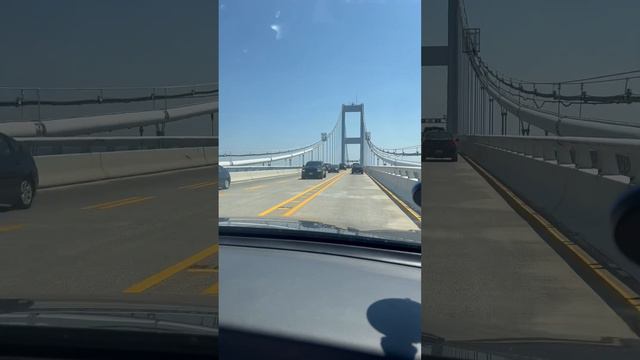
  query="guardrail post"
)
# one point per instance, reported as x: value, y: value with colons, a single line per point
x: 548, y: 151
x: 564, y: 155
x: 527, y: 148
x: 583, y: 157
x: 607, y: 162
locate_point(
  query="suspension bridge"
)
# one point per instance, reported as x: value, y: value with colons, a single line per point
x: 517, y: 241
x: 379, y: 202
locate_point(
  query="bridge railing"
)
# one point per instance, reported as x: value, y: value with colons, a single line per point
x: 264, y: 160
x: 100, y: 123
x: 39, y: 146
x: 618, y: 158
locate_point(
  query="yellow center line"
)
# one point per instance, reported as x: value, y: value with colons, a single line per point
x: 211, y: 290
x: 313, y: 196
x: 203, y: 270
x: 275, y: 207
x: 123, y: 203
x: 211, y: 184
x: 192, y: 185
x: 110, y: 203
x: 402, y: 203
x: 8, y: 228
x: 163, y: 275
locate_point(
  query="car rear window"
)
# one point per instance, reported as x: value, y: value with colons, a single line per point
x: 314, y: 163
x: 438, y: 135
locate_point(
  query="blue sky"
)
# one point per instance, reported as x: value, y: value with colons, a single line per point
x: 281, y: 88
x: 544, y: 40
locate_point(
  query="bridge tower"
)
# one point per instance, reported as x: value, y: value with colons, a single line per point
x: 447, y: 55
x: 359, y: 108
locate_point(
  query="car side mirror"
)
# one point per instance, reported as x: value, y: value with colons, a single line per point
x: 417, y: 194
x: 625, y: 219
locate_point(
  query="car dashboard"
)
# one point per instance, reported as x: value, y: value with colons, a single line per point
x: 291, y: 298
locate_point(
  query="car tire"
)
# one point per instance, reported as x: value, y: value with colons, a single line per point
x: 454, y: 158
x: 26, y: 193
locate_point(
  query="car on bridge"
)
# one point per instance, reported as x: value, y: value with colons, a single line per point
x: 439, y: 144
x: 224, y: 178
x: 333, y: 168
x: 356, y: 168
x: 18, y: 174
x: 314, y: 170
x: 342, y: 166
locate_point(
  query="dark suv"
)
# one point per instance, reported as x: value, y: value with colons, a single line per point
x: 343, y: 166
x: 357, y: 169
x: 439, y: 144
x: 18, y: 174
x: 333, y: 168
x: 314, y: 169
x: 224, y: 178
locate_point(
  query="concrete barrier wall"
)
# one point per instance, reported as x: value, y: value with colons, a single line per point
x: 576, y: 201
x: 400, y: 186
x: 56, y: 170
x: 261, y: 174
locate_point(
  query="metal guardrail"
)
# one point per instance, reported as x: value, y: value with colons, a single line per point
x: 265, y: 160
x: 238, y: 169
x: 77, y: 145
x: 607, y: 156
x: 100, y: 123
x: 394, y: 162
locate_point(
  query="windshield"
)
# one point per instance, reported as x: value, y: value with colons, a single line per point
x: 302, y: 92
x: 519, y: 257
x: 110, y: 211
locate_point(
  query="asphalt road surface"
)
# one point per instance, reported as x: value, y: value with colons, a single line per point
x: 143, y: 239
x: 489, y: 278
x: 343, y: 200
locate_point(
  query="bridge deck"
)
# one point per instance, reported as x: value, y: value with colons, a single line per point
x: 93, y: 242
x: 488, y: 275
x: 343, y: 200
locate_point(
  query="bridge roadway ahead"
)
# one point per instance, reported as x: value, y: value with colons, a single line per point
x: 143, y: 239
x: 343, y: 200
x: 489, y: 278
